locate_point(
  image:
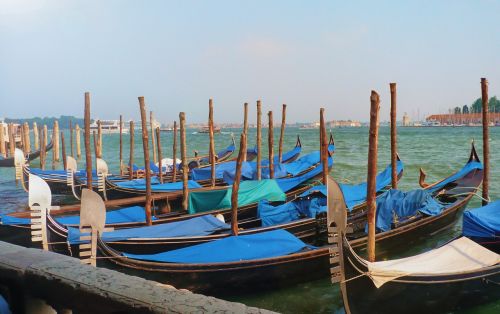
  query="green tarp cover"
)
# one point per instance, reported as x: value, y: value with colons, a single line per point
x: 249, y: 192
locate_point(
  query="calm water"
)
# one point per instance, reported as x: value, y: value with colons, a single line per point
x: 439, y: 151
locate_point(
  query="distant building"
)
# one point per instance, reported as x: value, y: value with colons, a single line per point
x: 406, y: 120
x: 466, y: 119
x: 344, y: 124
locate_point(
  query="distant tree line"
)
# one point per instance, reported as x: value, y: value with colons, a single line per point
x: 49, y: 121
x: 477, y: 106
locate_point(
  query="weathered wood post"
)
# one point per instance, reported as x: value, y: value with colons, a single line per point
x: 86, y: 135
x: 372, y: 173
x: 43, y: 145
x: 245, y: 125
x: 153, y: 141
x: 12, y: 140
x: 282, y: 133
x: 211, y: 152
x: 2, y: 142
x: 324, y: 145
x: 121, y: 145
x: 55, y: 138
x: 96, y: 145
x: 236, y: 184
x: 27, y: 140
x: 23, y: 138
x: 160, y: 157
x: 147, y: 169
x: 36, y: 137
x: 185, y: 170
x: 394, y: 150
x: 259, y: 140
x: 63, y: 147
x: 174, y: 154
x: 78, y: 148
x: 99, y: 139
x: 270, y: 143
x: 486, y: 144
x: 131, y: 156
x: 71, y: 146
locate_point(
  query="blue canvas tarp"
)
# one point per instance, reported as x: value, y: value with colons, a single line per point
x: 470, y: 166
x: 356, y: 194
x: 139, y: 184
x: 287, y: 184
x: 198, y: 226
x: 232, y: 249
x: 123, y: 215
x: 483, y: 222
x: 395, y: 203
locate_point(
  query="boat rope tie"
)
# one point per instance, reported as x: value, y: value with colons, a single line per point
x: 356, y: 277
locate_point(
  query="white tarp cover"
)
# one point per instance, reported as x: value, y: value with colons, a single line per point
x: 460, y: 255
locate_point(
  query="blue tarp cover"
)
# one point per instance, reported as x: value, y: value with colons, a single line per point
x: 482, y: 222
x: 127, y: 214
x: 460, y: 174
x: 227, y: 170
x: 232, y: 249
x: 198, y: 226
x: 139, y: 184
x: 316, y: 189
x: 307, y: 207
x: 287, y: 184
x: 395, y: 203
x: 356, y: 194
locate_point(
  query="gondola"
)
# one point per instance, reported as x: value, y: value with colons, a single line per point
x: 398, y: 225
x: 16, y: 225
x: 454, y: 276
x: 299, y: 167
x: 9, y: 161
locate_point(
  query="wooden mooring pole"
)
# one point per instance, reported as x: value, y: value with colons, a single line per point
x: 160, y: 157
x: 486, y: 144
x: 131, y: 156
x: 12, y: 140
x: 27, y: 140
x: 78, y: 147
x: 394, y: 151
x: 174, y: 154
x: 259, y: 140
x: 270, y: 144
x: 43, y: 147
x: 282, y: 133
x: 372, y: 172
x: 2, y: 142
x: 211, y: 152
x: 86, y: 135
x: 153, y: 140
x: 99, y: 139
x: 185, y: 169
x: 71, y: 146
x: 323, y: 145
x: 147, y: 168
x: 245, y: 126
x: 36, y: 137
x: 236, y: 184
x: 63, y: 147
x: 55, y: 150
x: 121, y: 145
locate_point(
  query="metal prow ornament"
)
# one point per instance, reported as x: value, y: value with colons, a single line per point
x: 92, y: 225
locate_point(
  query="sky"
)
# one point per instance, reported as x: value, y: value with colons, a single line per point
x: 307, y: 54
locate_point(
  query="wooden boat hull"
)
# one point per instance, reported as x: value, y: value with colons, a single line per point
x: 416, y: 294
x: 9, y: 162
x: 228, y: 278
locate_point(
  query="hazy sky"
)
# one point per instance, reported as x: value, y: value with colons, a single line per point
x: 306, y: 54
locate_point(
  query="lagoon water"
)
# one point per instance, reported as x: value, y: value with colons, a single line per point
x: 439, y: 151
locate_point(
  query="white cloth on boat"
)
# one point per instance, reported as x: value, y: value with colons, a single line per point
x: 460, y: 255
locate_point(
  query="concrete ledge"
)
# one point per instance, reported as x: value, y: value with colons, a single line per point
x: 66, y: 283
